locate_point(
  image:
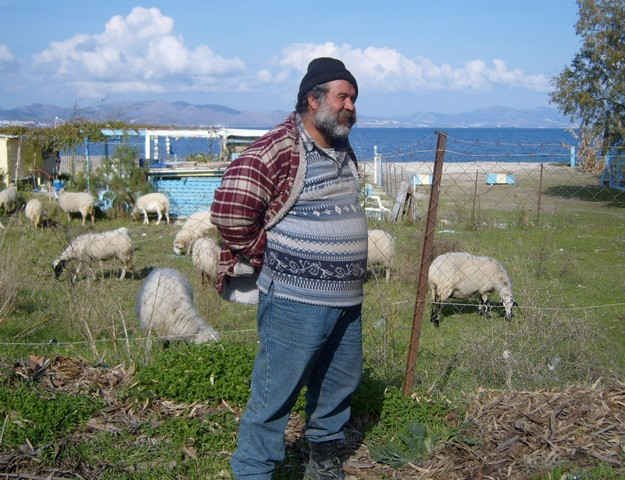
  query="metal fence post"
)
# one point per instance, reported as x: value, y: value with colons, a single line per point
x: 377, y: 166
x: 572, y: 156
x: 426, y: 259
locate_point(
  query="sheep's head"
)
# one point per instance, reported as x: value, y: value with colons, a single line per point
x: 182, y: 242
x: 508, y: 303
x: 179, y: 248
x: 58, y: 266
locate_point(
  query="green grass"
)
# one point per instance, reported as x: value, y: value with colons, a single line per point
x: 192, y: 373
x: 34, y: 416
x: 568, y: 278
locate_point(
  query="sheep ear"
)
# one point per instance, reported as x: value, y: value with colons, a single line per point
x: 514, y: 303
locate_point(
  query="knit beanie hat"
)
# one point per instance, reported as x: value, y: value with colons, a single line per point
x: 321, y: 70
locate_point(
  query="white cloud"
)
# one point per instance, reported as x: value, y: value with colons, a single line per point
x: 7, y: 59
x: 139, y: 52
x: 387, y: 69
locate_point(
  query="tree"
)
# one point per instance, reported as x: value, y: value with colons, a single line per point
x: 592, y: 88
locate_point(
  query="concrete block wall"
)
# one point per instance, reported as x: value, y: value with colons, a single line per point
x: 187, y: 195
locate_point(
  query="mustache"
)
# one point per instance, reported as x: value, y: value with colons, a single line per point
x: 347, y: 116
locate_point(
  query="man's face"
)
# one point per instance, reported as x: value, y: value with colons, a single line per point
x: 335, y: 113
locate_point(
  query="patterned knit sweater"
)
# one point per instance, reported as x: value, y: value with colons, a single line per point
x: 256, y: 192
x: 317, y: 253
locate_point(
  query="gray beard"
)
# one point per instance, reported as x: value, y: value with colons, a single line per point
x: 327, y: 123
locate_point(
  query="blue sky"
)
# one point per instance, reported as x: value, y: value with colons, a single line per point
x: 408, y: 56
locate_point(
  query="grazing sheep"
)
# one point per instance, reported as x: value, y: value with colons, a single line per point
x: 77, y: 202
x: 205, y: 258
x: 165, y: 306
x: 34, y: 212
x: 8, y: 198
x: 196, y: 226
x: 462, y: 275
x: 88, y: 247
x: 381, y: 250
x: 152, y: 203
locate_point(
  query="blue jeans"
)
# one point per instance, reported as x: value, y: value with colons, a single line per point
x: 300, y: 344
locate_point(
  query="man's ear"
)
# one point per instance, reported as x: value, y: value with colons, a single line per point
x: 313, y: 103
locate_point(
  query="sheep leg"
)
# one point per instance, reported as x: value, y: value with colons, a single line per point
x: 388, y: 274
x: 435, y: 313
x: 76, y: 272
x: 484, y: 308
x: 167, y: 216
x: 158, y: 217
x: 126, y: 266
x: 145, y: 217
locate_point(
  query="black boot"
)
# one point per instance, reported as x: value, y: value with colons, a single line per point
x: 325, y: 462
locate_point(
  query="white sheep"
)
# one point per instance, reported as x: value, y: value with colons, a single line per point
x: 77, y: 202
x: 462, y: 275
x: 165, y: 306
x: 88, y: 247
x: 197, y: 225
x: 8, y: 198
x: 34, y: 212
x: 381, y: 250
x: 205, y: 258
x: 152, y: 203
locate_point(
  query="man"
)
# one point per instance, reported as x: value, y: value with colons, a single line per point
x: 288, y: 206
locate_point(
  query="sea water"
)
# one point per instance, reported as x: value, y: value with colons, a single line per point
x: 405, y: 145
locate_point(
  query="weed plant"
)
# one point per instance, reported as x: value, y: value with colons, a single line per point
x: 197, y: 373
x: 36, y: 417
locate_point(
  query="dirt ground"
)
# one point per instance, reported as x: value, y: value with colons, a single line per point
x: 506, y: 434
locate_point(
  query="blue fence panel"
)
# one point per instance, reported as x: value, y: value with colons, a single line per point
x: 187, y: 195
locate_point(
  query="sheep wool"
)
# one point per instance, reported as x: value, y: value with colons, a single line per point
x: 88, y: 247
x: 78, y: 202
x: 381, y: 250
x: 34, y: 212
x: 165, y: 306
x: 196, y: 226
x: 152, y: 203
x: 8, y: 198
x: 461, y: 275
x: 205, y: 258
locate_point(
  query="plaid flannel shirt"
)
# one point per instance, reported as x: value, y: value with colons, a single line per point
x: 256, y: 191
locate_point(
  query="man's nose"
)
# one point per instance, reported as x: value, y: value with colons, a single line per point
x: 349, y: 105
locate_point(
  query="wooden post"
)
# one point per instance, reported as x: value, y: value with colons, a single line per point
x: 87, y: 165
x: 18, y: 159
x: 540, y: 194
x: 399, y: 207
x: 426, y: 259
x: 473, y: 220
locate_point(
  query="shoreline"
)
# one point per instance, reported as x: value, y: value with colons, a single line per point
x: 413, y: 168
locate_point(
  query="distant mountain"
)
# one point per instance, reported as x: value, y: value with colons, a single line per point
x: 183, y: 114
x: 146, y: 113
x: 493, y: 117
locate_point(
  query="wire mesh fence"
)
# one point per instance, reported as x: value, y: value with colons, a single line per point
x: 552, y: 224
